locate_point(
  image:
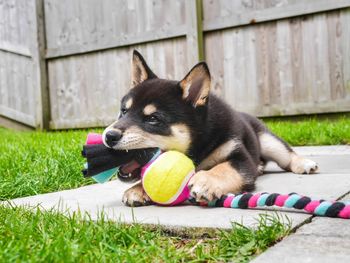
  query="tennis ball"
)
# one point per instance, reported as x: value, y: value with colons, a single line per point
x: 165, y: 179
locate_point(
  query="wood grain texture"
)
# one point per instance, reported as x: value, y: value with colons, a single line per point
x: 81, y: 26
x: 345, y: 48
x: 194, y: 34
x: 86, y: 90
x: 292, y: 66
x: 16, y: 26
x: 335, y: 55
x: 38, y: 47
x: 17, y: 88
x: 237, y: 13
x: 17, y: 69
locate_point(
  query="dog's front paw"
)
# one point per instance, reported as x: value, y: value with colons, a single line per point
x: 136, y: 196
x: 205, y: 186
x: 301, y: 165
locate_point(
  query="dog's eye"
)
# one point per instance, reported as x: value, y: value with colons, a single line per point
x: 152, y: 119
x: 123, y: 111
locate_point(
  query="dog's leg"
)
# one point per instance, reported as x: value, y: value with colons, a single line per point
x: 136, y: 196
x: 232, y: 176
x: 275, y: 149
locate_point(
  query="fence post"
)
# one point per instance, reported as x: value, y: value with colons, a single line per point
x: 38, y: 50
x: 194, y: 36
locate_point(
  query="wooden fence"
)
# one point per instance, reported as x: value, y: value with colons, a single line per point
x: 66, y: 63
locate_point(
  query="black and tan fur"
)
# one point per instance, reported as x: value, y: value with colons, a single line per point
x: 229, y: 148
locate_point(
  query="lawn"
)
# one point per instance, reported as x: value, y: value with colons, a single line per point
x: 41, y: 162
x: 35, y: 236
x: 313, y: 131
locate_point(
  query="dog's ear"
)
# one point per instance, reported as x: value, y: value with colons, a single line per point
x: 196, y: 85
x: 140, y: 70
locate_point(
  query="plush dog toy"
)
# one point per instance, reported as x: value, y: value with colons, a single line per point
x: 165, y: 177
x: 103, y: 163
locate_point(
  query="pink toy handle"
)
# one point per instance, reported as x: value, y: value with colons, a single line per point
x: 94, y: 138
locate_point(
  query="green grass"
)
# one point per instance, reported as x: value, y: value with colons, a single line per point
x: 40, y: 162
x: 312, y: 131
x: 35, y: 236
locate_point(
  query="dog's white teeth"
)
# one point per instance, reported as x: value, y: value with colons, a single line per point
x: 127, y: 150
x: 130, y: 174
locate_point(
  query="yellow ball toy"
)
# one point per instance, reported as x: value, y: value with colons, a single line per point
x: 165, y: 179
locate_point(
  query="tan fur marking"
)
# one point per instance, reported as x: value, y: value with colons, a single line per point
x: 294, y: 165
x: 301, y: 165
x: 220, y: 180
x: 218, y: 155
x: 273, y: 149
x: 139, y: 73
x: 136, y: 196
x: 198, y: 73
x: 261, y: 168
x: 181, y: 137
x: 149, y: 109
x: 136, y: 138
x: 128, y: 103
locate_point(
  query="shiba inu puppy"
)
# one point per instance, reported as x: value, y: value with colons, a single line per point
x: 229, y: 148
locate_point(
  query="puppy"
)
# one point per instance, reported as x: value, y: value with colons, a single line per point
x: 229, y: 148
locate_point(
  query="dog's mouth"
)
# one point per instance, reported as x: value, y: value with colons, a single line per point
x: 130, y: 171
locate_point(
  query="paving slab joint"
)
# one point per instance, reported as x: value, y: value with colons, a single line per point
x: 342, y: 196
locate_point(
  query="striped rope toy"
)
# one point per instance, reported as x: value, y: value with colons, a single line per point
x: 312, y: 206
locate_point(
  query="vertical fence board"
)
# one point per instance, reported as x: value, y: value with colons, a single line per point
x: 345, y: 46
x: 194, y: 35
x: 214, y: 54
x: 335, y: 55
x: 283, y: 45
x: 321, y: 66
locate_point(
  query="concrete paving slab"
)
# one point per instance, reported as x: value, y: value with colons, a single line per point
x: 323, y: 240
x: 107, y: 197
x: 325, y: 184
x: 304, y: 249
x: 323, y: 150
x: 328, y: 164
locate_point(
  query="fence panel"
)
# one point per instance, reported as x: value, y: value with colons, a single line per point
x: 67, y: 62
x: 17, y: 69
x: 282, y: 67
x: 81, y: 26
x: 85, y: 90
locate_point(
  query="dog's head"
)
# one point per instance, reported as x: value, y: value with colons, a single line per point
x: 160, y: 113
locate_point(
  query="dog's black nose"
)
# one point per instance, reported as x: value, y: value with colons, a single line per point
x: 112, y: 137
